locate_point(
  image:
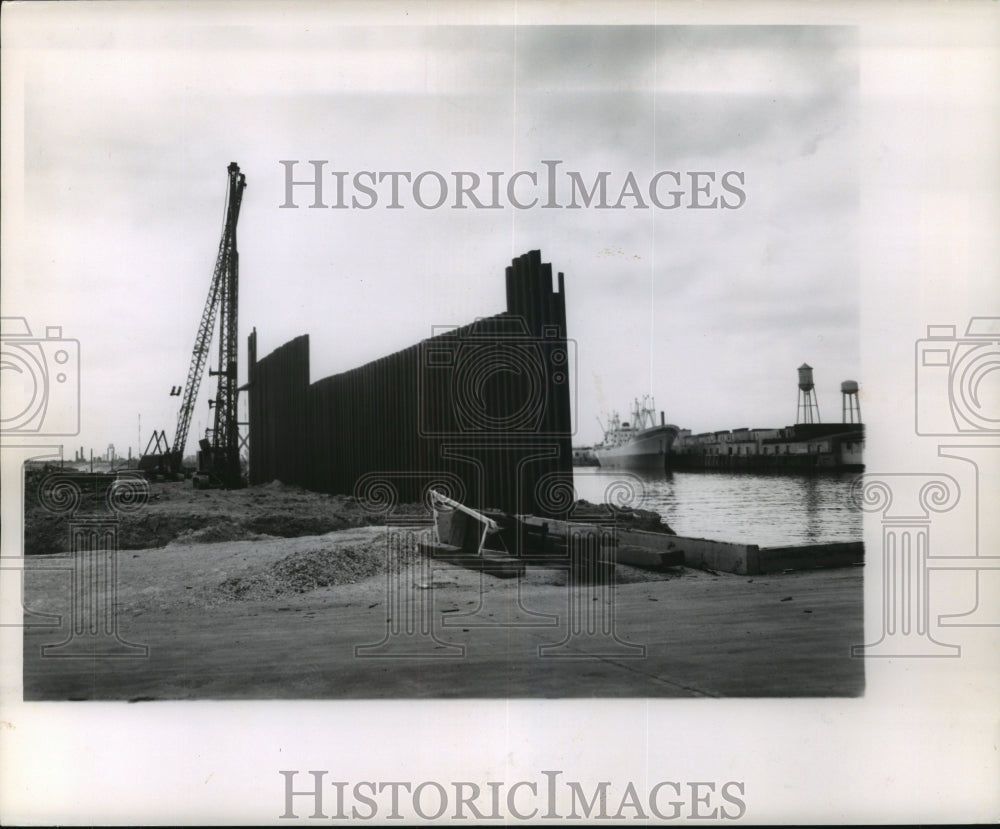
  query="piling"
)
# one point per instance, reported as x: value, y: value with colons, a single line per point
x: 487, y: 402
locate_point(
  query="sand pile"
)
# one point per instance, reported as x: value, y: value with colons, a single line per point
x: 303, y: 571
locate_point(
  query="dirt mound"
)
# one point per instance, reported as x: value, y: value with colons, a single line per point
x: 176, y: 512
x: 146, y: 530
x: 291, y: 525
x: 222, y: 530
x: 304, y: 571
x: 45, y: 534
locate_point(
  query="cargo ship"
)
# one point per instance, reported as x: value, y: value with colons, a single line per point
x: 639, y: 443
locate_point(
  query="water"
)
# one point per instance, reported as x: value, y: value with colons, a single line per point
x: 767, y: 510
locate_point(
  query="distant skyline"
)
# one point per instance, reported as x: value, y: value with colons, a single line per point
x: 128, y: 131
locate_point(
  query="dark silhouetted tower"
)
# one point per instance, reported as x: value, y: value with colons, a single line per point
x: 808, y: 411
x: 851, y: 406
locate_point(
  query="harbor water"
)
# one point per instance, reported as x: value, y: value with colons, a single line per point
x: 767, y: 510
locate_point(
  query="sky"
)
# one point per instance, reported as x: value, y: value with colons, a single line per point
x: 129, y: 126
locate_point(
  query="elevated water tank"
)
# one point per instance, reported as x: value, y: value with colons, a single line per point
x: 851, y: 405
x: 808, y: 408
x: 805, y: 377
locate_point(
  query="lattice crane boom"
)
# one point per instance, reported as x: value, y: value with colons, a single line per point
x: 199, y: 358
x: 225, y: 443
x: 221, y: 294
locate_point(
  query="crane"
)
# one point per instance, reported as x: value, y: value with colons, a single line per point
x: 218, y: 460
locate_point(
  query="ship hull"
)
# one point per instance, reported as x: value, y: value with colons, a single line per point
x: 647, y: 450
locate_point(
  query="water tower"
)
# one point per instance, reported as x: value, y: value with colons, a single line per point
x: 808, y: 411
x: 851, y: 405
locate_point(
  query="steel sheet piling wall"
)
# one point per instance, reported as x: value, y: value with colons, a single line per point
x: 279, y: 413
x: 488, y: 403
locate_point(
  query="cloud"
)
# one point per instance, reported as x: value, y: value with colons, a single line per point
x: 129, y: 133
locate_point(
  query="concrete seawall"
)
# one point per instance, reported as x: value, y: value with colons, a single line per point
x: 750, y: 559
x: 810, y: 556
